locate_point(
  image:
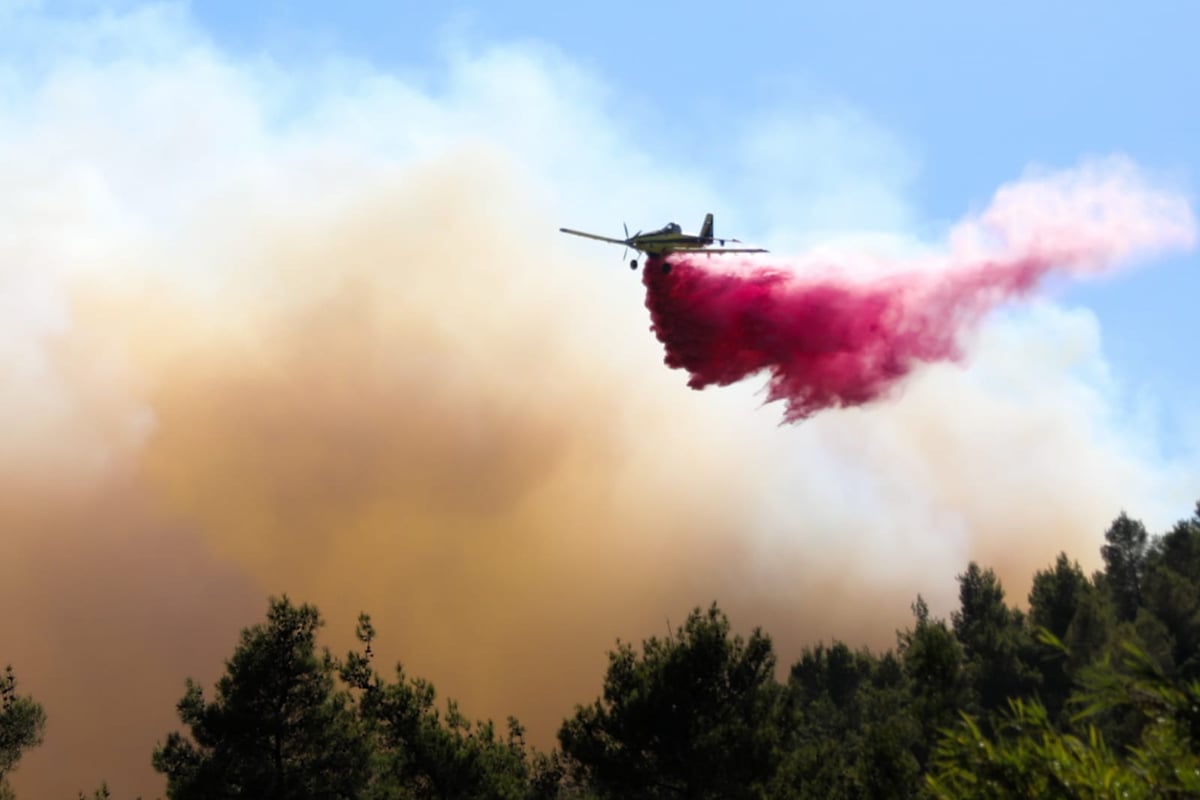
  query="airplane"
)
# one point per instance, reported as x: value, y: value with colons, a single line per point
x: 670, y: 239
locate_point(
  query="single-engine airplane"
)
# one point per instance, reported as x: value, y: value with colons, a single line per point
x: 670, y: 239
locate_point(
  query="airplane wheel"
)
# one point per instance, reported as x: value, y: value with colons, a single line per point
x: 633, y: 264
x: 666, y: 268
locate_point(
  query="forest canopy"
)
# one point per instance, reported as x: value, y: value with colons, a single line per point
x: 1092, y: 691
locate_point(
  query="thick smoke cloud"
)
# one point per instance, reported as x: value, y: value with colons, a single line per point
x: 331, y: 345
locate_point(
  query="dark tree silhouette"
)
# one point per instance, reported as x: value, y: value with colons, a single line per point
x: 277, y: 729
x: 22, y: 722
x: 694, y: 715
x: 420, y: 754
x: 1055, y: 601
x: 1171, y: 592
x: 1124, y: 554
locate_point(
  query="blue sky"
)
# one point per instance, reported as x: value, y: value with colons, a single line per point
x: 973, y: 93
x: 980, y: 94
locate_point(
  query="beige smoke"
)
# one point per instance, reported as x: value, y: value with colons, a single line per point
x: 344, y: 356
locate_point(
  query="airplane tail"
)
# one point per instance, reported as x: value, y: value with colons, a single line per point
x: 706, y: 230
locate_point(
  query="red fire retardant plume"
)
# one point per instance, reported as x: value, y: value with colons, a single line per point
x: 827, y: 341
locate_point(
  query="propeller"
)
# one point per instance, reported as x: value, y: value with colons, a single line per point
x: 627, y: 238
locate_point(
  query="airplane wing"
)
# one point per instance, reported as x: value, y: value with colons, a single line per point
x: 718, y: 250
x: 594, y: 236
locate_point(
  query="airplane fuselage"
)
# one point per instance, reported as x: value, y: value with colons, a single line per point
x: 670, y: 239
x: 666, y: 241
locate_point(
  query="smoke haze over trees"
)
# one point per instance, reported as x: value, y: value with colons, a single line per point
x: 1091, y: 691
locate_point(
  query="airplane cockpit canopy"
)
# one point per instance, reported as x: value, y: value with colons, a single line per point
x: 673, y: 227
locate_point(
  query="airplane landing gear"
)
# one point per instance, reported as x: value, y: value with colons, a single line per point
x: 633, y: 264
x: 666, y: 268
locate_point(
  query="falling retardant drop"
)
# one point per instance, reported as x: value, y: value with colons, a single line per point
x: 827, y: 339
x: 823, y: 344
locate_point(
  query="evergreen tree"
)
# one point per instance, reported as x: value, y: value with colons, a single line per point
x: 277, y: 729
x: 1030, y: 757
x: 996, y: 646
x: 22, y: 722
x: 847, y: 730
x: 693, y: 715
x: 1124, y: 554
x: 933, y: 665
x: 1055, y: 595
x: 420, y: 754
x: 1054, y: 601
x: 1171, y: 592
x: 1091, y: 630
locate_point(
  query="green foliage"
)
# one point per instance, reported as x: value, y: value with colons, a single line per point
x: 985, y: 707
x: 1056, y: 594
x: 277, y: 728
x: 848, y: 732
x: 1124, y: 554
x: 1055, y: 600
x: 419, y: 753
x: 933, y: 664
x: 1171, y: 592
x: 1094, y: 693
x: 1091, y: 630
x: 997, y: 648
x: 283, y: 726
x: 1031, y: 758
x: 693, y: 715
x: 22, y: 722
